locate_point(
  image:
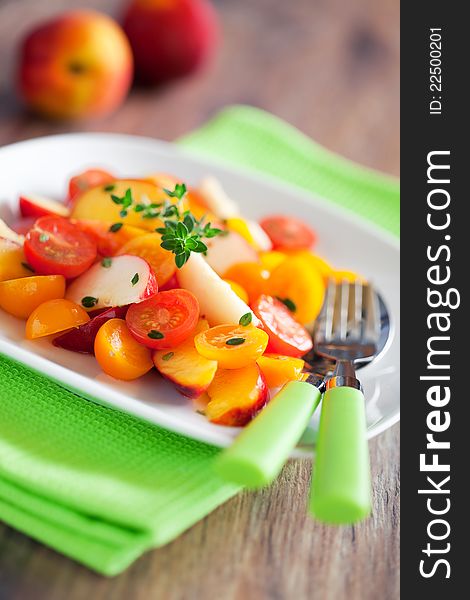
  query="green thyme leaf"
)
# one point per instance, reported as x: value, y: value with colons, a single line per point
x: 155, y: 335
x: 236, y: 341
x: 44, y: 237
x: 168, y: 356
x: 135, y: 279
x: 246, y: 319
x: 109, y: 188
x: 89, y: 301
x: 178, y: 192
x: 289, y: 303
x: 106, y: 262
x: 115, y: 227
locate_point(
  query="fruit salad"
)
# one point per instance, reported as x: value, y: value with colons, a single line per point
x: 149, y: 275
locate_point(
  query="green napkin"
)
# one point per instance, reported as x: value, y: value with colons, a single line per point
x: 103, y: 487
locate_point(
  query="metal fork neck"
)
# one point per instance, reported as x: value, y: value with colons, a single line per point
x: 344, y: 376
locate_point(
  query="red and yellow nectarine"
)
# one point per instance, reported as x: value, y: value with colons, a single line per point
x: 76, y: 65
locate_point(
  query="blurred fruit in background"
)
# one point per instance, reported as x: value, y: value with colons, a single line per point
x: 76, y: 65
x: 170, y: 38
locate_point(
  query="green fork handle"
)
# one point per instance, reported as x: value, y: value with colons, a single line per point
x: 257, y: 455
x: 340, y: 491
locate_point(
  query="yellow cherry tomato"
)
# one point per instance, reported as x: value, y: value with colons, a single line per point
x: 279, y: 369
x: 316, y: 262
x: 271, y: 259
x: 349, y: 276
x: 295, y: 279
x: 12, y: 261
x: 148, y: 247
x: 119, y: 354
x: 253, y: 278
x: 20, y: 297
x: 54, y: 316
x: 232, y: 346
x: 237, y: 288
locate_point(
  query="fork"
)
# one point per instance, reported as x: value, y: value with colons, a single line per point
x: 346, y: 330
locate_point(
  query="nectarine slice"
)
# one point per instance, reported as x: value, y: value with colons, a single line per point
x: 190, y: 372
x: 97, y: 203
x: 236, y: 395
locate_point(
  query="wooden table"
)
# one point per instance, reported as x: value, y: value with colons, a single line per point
x: 331, y: 68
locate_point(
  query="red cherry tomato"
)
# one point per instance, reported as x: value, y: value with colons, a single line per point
x: 288, y: 232
x: 165, y: 320
x: 55, y: 247
x: 286, y: 335
x: 86, y: 180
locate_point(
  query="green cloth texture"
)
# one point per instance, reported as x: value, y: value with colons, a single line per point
x: 100, y: 486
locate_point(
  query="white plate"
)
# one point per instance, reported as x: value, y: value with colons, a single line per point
x: 44, y: 165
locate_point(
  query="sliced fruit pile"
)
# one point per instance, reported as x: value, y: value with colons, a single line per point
x: 145, y: 273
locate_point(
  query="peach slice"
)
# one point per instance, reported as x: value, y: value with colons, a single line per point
x: 236, y: 395
x: 190, y: 372
x: 279, y: 369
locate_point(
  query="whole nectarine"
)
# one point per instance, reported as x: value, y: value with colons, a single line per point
x: 76, y: 65
x: 170, y: 38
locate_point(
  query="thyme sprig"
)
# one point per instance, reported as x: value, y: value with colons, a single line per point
x: 181, y: 232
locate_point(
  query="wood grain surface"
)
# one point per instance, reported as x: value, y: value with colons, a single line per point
x: 330, y: 67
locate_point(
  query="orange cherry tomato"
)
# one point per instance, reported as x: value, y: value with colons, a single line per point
x: 54, y: 316
x: 253, y: 278
x: 12, y: 261
x: 279, y: 369
x: 232, y: 346
x: 296, y: 280
x: 148, y: 247
x: 237, y: 288
x: 86, y: 180
x: 119, y: 354
x: 20, y: 297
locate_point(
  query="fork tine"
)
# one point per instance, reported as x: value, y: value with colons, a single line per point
x: 344, y: 309
x: 355, y: 309
x: 330, y: 300
x: 371, y: 313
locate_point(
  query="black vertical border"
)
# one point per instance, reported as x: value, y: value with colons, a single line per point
x: 420, y: 134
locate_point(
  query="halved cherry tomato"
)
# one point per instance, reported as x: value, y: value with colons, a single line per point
x: 119, y: 354
x: 86, y: 180
x: 54, y: 316
x: 298, y: 281
x: 148, y: 247
x: 165, y: 320
x: 288, y: 232
x: 253, y: 278
x: 232, y: 346
x: 20, y: 297
x: 55, y: 247
x: 279, y: 369
x: 237, y: 288
x: 286, y: 335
